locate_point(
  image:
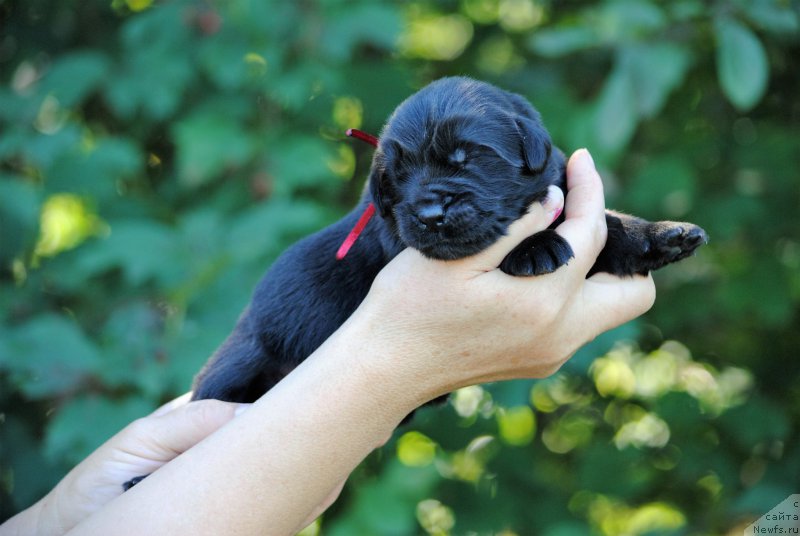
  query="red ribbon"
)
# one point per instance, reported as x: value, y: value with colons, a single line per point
x: 354, y: 234
x: 363, y: 136
x: 368, y: 212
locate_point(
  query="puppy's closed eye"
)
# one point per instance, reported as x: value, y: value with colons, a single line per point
x: 458, y: 157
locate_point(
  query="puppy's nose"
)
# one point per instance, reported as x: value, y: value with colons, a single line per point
x: 431, y: 215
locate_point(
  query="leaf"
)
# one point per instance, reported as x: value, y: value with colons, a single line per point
x: 27, y: 474
x: 365, y: 23
x: 624, y: 20
x: 742, y: 66
x: 666, y: 186
x: 613, y: 23
x: 143, y: 249
x: 88, y: 421
x: 387, y: 505
x: 208, y: 144
x: 222, y: 58
x: 757, y: 421
x: 19, y: 217
x: 131, y: 342
x: 156, y: 69
x: 557, y: 42
x: 16, y: 109
x: 97, y: 172
x: 772, y: 16
x: 656, y: 70
x: 49, y: 356
x: 42, y: 150
x: 75, y: 76
x: 300, y: 162
x: 265, y: 228
x: 616, y: 115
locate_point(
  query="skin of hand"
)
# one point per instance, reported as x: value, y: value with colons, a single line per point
x: 139, y: 449
x: 478, y: 324
x: 425, y: 329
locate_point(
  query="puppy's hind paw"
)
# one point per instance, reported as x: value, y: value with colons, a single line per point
x: 678, y: 241
x: 539, y: 254
x: 132, y: 482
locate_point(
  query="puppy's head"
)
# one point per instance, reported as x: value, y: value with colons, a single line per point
x: 457, y: 163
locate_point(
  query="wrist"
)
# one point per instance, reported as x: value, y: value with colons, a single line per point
x: 398, y: 366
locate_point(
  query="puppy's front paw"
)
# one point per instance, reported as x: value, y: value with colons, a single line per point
x: 539, y: 254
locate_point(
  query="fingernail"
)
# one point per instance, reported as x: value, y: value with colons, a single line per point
x: 557, y: 214
x: 553, y: 203
x: 241, y: 409
x: 551, y: 199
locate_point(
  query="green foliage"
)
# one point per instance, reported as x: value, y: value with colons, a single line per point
x: 156, y: 157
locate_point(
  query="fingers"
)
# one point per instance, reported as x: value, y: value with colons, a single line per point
x: 538, y: 218
x: 609, y: 301
x: 176, y: 431
x: 172, y: 404
x: 585, y: 224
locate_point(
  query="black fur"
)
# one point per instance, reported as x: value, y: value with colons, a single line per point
x: 457, y: 163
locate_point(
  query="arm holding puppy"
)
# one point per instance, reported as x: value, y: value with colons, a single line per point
x: 425, y: 329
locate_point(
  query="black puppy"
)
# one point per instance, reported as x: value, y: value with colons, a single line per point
x: 457, y: 163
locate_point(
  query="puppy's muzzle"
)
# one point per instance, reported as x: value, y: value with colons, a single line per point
x: 431, y: 215
x: 431, y: 210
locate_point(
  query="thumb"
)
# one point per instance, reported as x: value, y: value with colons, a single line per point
x: 540, y: 215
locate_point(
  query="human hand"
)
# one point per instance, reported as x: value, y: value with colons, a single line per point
x: 463, y: 322
x: 139, y: 449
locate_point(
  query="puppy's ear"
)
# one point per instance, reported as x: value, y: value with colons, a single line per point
x: 377, y: 190
x: 385, y: 166
x: 536, y: 143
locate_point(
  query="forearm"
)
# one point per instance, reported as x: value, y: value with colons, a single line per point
x: 27, y: 522
x: 268, y: 469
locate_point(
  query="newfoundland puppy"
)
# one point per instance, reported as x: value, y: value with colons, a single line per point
x: 456, y: 164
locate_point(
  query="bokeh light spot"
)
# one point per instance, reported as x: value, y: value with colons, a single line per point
x: 517, y: 425
x: 520, y: 15
x: 344, y: 163
x: 415, y: 449
x: 436, y: 518
x: 348, y: 112
x: 65, y: 222
x: 613, y: 376
x: 648, y: 431
x: 467, y: 400
x: 138, y: 5
x: 482, y: 11
x: 435, y: 37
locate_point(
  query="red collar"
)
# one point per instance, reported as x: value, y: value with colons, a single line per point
x: 368, y: 212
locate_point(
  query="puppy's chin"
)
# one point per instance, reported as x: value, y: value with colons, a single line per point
x: 449, y: 248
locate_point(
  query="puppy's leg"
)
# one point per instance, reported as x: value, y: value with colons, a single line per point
x: 634, y: 246
x: 539, y: 254
x: 240, y: 371
x: 637, y: 246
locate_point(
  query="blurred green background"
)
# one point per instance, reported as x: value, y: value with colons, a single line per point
x: 157, y: 156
